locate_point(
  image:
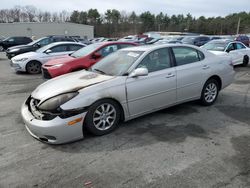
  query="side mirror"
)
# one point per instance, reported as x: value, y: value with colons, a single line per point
x: 139, y: 72
x: 96, y: 55
x: 48, y: 51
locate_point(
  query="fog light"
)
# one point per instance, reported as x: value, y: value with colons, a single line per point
x: 75, y: 121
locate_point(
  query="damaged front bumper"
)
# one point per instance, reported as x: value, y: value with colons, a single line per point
x: 55, y: 131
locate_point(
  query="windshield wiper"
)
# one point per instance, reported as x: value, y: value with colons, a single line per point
x: 99, y: 71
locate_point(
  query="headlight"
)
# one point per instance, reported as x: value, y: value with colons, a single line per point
x: 18, y: 60
x: 54, y: 102
x: 14, y: 50
x: 57, y: 65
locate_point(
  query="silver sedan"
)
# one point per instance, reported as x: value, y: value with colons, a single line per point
x: 126, y: 84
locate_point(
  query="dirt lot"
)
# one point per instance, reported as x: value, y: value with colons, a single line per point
x: 185, y: 146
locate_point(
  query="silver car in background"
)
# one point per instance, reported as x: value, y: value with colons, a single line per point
x: 126, y: 84
x: 31, y: 62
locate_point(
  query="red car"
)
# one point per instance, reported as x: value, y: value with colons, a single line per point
x: 82, y: 59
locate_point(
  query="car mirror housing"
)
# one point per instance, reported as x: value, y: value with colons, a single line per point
x: 139, y: 72
x: 48, y: 51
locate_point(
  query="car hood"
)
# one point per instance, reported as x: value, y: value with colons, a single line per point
x: 61, y: 60
x: 20, y: 47
x: 26, y: 55
x: 68, y: 83
x: 218, y: 52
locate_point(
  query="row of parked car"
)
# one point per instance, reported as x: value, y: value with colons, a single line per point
x: 66, y: 56
x: 118, y: 83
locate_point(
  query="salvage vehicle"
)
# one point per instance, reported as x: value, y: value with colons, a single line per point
x: 33, y: 46
x: 13, y: 41
x: 31, y: 62
x: 82, y: 59
x: 236, y: 50
x: 126, y: 84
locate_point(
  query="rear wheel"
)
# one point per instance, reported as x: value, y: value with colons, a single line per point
x: 245, y: 61
x: 210, y: 92
x: 103, y: 117
x: 33, y: 67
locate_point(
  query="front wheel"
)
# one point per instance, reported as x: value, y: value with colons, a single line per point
x: 33, y: 67
x: 103, y: 117
x: 210, y: 92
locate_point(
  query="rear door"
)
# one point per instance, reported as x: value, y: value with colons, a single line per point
x: 234, y: 53
x: 191, y: 72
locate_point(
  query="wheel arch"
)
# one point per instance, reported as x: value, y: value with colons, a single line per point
x: 116, y: 101
x: 217, y: 78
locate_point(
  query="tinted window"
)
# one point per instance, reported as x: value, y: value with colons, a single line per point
x: 156, y: 60
x: 108, y: 50
x: 184, y: 55
x: 73, y: 47
x: 240, y: 46
x: 61, y: 48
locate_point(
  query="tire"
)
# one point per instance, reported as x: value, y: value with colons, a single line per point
x: 103, y: 117
x: 245, y: 61
x: 33, y: 67
x: 209, y: 92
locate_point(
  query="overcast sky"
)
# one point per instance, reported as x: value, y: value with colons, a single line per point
x: 195, y: 7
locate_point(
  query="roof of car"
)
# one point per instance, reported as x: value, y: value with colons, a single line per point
x: 156, y: 46
x: 66, y: 42
x: 115, y: 42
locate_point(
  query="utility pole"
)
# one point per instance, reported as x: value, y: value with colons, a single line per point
x: 238, y: 27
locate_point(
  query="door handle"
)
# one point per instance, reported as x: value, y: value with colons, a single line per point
x: 205, y: 67
x: 170, y: 75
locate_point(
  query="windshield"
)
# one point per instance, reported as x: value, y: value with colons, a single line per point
x: 35, y: 41
x: 116, y: 64
x: 218, y: 46
x: 44, y: 48
x: 86, y: 50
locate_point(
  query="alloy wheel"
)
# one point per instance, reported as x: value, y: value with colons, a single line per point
x: 210, y: 92
x: 104, y: 116
x: 33, y: 67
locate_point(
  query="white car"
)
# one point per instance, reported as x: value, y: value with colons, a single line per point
x: 31, y: 62
x: 238, y: 52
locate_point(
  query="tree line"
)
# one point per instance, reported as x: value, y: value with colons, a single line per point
x: 115, y: 23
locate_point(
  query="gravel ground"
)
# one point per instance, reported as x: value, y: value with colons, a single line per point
x: 183, y: 146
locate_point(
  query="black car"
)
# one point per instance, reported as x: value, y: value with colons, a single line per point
x: 13, y: 41
x: 195, y: 40
x: 33, y: 46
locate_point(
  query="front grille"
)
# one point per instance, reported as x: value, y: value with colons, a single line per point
x: 46, y: 74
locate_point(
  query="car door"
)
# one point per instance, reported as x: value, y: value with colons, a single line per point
x: 157, y: 89
x: 190, y: 71
x: 55, y: 52
x: 236, y: 55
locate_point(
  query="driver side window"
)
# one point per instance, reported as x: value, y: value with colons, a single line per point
x: 156, y: 60
x: 230, y: 47
x: 108, y: 50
